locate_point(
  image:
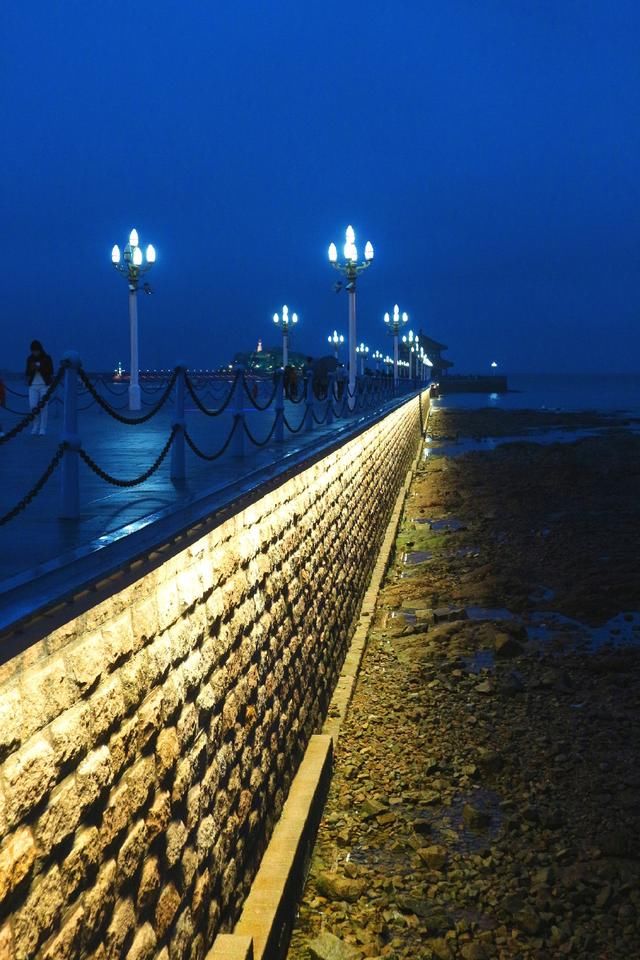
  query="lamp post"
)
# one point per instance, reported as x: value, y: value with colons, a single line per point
x: 285, y: 321
x: 377, y: 355
x: 394, y: 326
x: 362, y: 352
x: 132, y: 263
x: 336, y: 339
x: 350, y: 267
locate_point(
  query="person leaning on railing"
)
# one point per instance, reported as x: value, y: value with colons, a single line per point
x: 39, y: 374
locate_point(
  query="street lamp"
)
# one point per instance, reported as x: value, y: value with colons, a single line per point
x: 285, y: 321
x: 394, y: 325
x: 336, y: 339
x: 350, y: 267
x: 377, y: 355
x: 362, y: 352
x: 132, y: 263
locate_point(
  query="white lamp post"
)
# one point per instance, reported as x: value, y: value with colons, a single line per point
x: 336, y: 339
x: 350, y: 267
x: 394, y: 326
x: 285, y: 321
x: 132, y: 264
x: 377, y: 355
x: 362, y: 352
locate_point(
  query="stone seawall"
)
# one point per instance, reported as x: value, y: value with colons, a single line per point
x: 147, y: 746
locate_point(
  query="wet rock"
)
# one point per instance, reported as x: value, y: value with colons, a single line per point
x: 334, y: 887
x: 506, y: 645
x: 329, y: 947
x: 435, y: 856
x: 474, y: 817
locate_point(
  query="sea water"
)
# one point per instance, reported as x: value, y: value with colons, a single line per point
x: 607, y: 393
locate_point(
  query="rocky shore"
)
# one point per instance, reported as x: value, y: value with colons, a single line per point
x: 486, y: 794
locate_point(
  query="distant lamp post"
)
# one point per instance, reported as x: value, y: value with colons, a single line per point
x: 336, y: 339
x: 377, y: 355
x: 132, y: 263
x: 362, y: 352
x: 494, y: 364
x: 350, y: 267
x: 284, y: 321
x: 394, y: 323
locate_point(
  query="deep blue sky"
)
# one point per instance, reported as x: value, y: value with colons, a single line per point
x: 490, y: 150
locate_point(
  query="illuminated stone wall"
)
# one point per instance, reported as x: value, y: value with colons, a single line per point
x: 147, y: 746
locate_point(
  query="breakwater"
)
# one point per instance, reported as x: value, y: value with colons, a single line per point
x: 147, y: 744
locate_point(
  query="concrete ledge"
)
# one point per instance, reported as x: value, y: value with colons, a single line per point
x: 229, y: 947
x: 269, y: 911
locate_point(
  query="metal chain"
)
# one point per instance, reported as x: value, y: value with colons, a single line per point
x: 289, y: 427
x: 30, y: 417
x: 320, y: 420
x: 254, y: 403
x: 261, y: 443
x: 214, y: 456
x: 130, y: 421
x: 201, y: 407
x: 35, y: 490
x: 90, y: 462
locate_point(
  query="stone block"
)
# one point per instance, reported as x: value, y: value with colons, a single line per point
x: 46, y: 692
x: 65, y: 945
x: 167, y: 753
x: 175, y: 842
x: 36, y: 918
x: 107, y: 708
x: 166, y: 908
x: 144, y: 616
x: 140, y: 778
x: 135, y: 677
x: 69, y: 734
x: 98, y: 903
x: 188, y: 867
x: 7, y: 951
x: 193, y: 807
x: 168, y: 605
x: 158, y: 816
x: 187, y: 726
x: 61, y: 817
x: 29, y: 775
x: 17, y: 856
x: 94, y: 775
x: 131, y: 853
x: 150, y: 883
x: 121, y: 929
x: 116, y: 815
x: 159, y: 651
x: 11, y: 722
x: 200, y: 896
x: 118, y: 639
x: 86, y: 660
x: 144, y: 944
x: 183, y: 932
x: 77, y: 868
x: 149, y: 718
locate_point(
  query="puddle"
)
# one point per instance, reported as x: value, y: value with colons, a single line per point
x: 383, y: 860
x: 416, y: 556
x: 443, y: 524
x: 485, y: 613
x: 450, y: 447
x: 541, y: 594
x: 448, y: 826
x: 621, y: 630
x: 479, y: 661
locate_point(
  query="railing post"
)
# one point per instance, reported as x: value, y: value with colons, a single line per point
x: 308, y: 399
x: 238, y: 411
x: 178, y: 469
x: 70, y: 492
x: 330, y: 397
x: 278, y: 433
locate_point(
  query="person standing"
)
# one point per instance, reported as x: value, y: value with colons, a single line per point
x: 39, y: 374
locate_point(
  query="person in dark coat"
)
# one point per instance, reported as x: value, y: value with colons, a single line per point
x: 39, y: 374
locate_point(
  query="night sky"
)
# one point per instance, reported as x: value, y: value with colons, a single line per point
x: 490, y: 151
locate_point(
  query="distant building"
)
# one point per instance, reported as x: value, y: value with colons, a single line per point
x: 433, y: 350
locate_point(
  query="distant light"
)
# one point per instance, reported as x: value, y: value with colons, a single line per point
x: 133, y: 238
x: 350, y: 251
x: 333, y: 253
x: 368, y: 251
x: 494, y: 364
x: 137, y: 257
x: 405, y: 317
x: 350, y: 235
x: 115, y: 254
x: 276, y: 318
x: 151, y: 253
x: 387, y: 318
x: 294, y: 318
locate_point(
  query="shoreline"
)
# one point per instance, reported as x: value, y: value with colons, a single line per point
x: 507, y: 822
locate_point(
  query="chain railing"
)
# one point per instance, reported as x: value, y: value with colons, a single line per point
x: 323, y: 403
